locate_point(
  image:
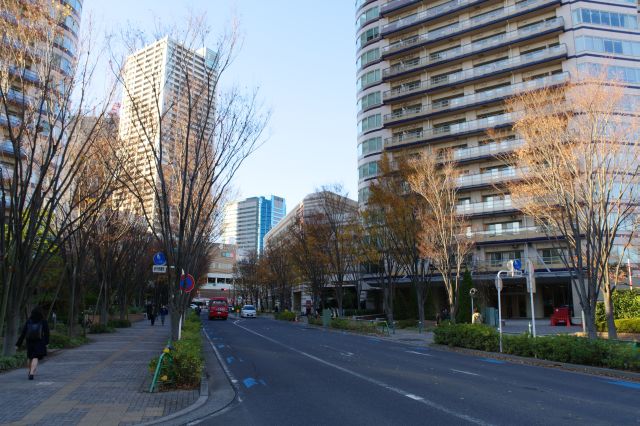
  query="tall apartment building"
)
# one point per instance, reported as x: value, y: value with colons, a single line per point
x: 436, y: 74
x: 154, y: 79
x: 247, y: 222
x: 21, y: 92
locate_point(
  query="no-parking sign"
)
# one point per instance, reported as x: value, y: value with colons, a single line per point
x: 187, y: 283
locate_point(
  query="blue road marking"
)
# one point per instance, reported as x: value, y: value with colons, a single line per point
x: 220, y: 346
x: 492, y: 361
x: 229, y: 359
x: 625, y: 384
x: 249, y: 381
x: 263, y: 383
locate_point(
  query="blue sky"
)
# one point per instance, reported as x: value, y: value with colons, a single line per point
x: 301, y: 55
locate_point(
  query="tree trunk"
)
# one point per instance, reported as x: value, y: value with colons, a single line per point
x: 11, y: 331
x: 339, y: 298
x: 609, y: 310
x: 388, y: 302
x: 175, y: 324
x: 420, y: 297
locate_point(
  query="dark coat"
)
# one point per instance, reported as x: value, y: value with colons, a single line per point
x: 35, y: 348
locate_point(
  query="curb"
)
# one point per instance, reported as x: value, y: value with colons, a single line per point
x: 202, y: 399
x: 574, y: 368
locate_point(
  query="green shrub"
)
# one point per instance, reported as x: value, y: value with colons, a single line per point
x: 471, y: 336
x: 185, y: 370
x: 626, y: 304
x: 15, y: 361
x: 61, y: 341
x: 285, y: 316
x: 100, y: 328
x: 119, y: 323
x: 561, y: 348
x: 406, y: 323
x: 623, y: 325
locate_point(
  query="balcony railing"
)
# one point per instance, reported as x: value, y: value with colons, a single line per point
x: 17, y: 96
x: 477, y: 72
x: 486, y: 207
x: 539, y: 263
x: 461, y: 51
x: 507, y: 234
x: 28, y: 75
x: 13, y: 121
x: 493, y: 148
x: 449, y: 130
x: 395, y: 5
x: 426, y: 15
x: 490, y: 177
x: 434, y: 12
x: 474, y: 99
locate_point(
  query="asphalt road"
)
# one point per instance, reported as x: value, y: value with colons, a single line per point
x: 292, y: 374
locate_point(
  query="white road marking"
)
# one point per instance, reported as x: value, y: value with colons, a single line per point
x: 414, y: 397
x: 338, y: 350
x: 373, y: 381
x: 464, y: 372
x: 418, y: 353
x: 226, y: 369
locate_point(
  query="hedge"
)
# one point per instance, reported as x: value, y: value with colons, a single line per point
x: 626, y: 304
x: 185, y: 371
x: 285, y: 316
x: 63, y: 341
x: 100, y: 329
x: 14, y: 361
x: 119, y: 323
x: 368, y: 327
x: 623, y: 325
x: 561, y: 348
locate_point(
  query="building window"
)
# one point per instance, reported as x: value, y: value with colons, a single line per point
x: 368, y: 57
x: 606, y: 45
x: 370, y: 100
x: 370, y: 146
x: 605, y: 18
x: 371, y: 122
x: 369, y: 79
x: 625, y: 74
x: 367, y: 36
x: 367, y: 16
x: 368, y: 170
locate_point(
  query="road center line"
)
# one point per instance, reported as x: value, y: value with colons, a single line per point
x: 376, y: 382
x: 464, y: 372
x: 418, y: 353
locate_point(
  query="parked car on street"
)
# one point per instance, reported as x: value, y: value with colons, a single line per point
x: 218, y: 308
x: 248, y: 311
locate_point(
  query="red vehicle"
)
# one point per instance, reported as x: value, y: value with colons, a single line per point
x: 218, y: 308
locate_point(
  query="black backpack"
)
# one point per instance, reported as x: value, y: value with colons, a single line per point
x: 34, y: 331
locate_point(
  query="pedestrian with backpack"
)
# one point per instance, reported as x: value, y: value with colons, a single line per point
x: 36, y: 333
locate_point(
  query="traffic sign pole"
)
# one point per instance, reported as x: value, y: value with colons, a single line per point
x: 531, y: 286
x: 499, y: 288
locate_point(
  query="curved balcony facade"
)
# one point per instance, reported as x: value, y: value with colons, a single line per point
x: 444, y: 132
x: 427, y: 15
x: 495, y: 42
x: 483, y: 71
x: 476, y: 99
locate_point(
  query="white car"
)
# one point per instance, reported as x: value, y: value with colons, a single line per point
x: 248, y: 311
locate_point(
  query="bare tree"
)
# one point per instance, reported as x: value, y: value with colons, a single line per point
x: 309, y: 239
x: 581, y: 159
x: 43, y: 98
x: 335, y: 221
x: 195, y: 137
x: 443, y: 232
x: 278, y: 259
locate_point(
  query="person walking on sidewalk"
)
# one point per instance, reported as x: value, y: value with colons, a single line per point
x: 152, y: 314
x: 163, y: 313
x: 36, y: 334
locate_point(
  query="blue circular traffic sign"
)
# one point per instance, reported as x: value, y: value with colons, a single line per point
x: 159, y: 259
x: 187, y: 283
x: 517, y: 264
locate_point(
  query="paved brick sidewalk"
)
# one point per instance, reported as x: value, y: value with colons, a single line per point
x: 102, y: 383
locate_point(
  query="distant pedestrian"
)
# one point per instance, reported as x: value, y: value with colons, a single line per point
x: 36, y: 334
x: 477, y: 317
x: 148, y: 311
x: 163, y: 313
x: 152, y: 315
